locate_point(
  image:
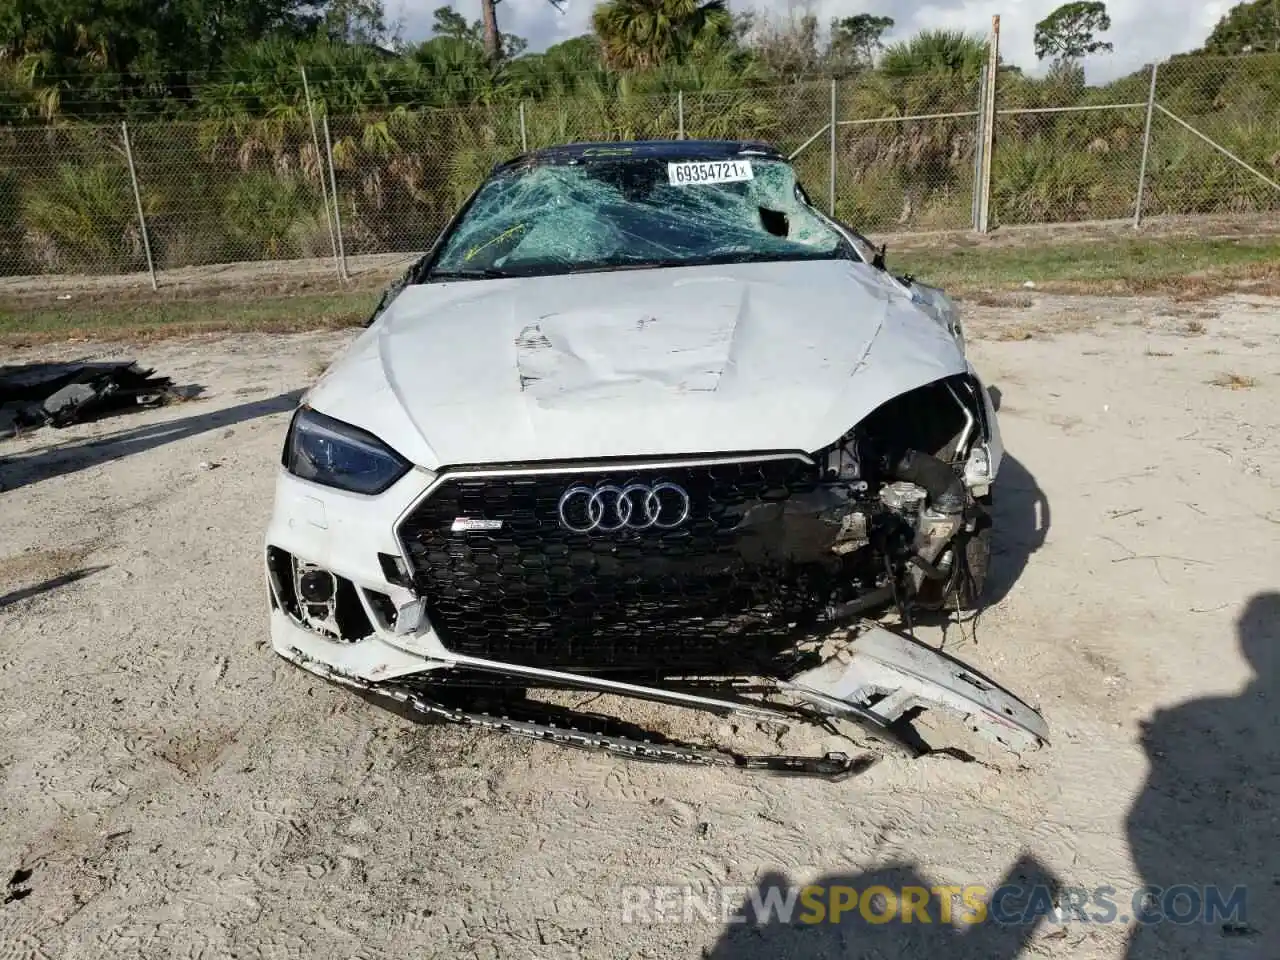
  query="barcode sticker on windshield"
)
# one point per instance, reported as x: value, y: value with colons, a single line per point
x: 709, y: 171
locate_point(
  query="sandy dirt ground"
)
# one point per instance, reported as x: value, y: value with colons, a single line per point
x: 171, y: 789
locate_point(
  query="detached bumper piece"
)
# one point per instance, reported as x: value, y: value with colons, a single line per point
x: 539, y: 721
x: 60, y: 394
x: 892, y: 678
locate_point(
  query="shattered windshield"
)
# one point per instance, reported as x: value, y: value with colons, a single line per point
x: 624, y: 212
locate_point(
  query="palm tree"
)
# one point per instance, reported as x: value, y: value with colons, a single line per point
x: 560, y: 70
x: 492, y: 35
x: 492, y: 38
x: 936, y: 51
x: 645, y: 33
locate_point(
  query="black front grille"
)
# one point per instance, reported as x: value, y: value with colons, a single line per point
x: 730, y: 583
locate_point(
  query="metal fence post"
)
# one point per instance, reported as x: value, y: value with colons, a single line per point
x: 324, y: 191
x: 989, y: 133
x: 337, y: 215
x: 137, y: 197
x: 831, y: 173
x: 524, y: 133
x: 1146, y: 148
x: 680, y: 113
x: 979, y: 135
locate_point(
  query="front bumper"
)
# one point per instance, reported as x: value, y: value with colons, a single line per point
x: 349, y: 536
x: 540, y: 599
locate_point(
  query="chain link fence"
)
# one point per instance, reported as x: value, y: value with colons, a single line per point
x: 885, y: 154
x: 1065, y: 152
x: 905, y: 153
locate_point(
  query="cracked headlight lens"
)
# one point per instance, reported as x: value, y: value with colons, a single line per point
x: 336, y: 454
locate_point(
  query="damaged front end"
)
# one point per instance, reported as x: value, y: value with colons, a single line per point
x: 658, y: 434
x: 734, y: 585
x: 901, y: 510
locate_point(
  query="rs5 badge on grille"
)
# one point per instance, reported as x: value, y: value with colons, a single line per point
x: 469, y: 524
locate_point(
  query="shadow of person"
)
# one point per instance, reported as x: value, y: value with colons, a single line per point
x: 756, y: 931
x: 1209, y: 813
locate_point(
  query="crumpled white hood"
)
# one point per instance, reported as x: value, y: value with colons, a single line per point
x: 695, y: 360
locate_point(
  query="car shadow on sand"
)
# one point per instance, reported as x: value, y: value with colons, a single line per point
x: 62, y: 459
x: 1021, y: 520
x: 1021, y: 524
x: 1205, y: 830
x: 813, y: 934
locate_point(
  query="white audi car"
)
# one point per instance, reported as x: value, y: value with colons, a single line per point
x: 645, y: 421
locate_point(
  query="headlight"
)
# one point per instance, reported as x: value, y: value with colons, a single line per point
x: 336, y: 454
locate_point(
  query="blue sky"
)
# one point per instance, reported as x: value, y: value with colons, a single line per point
x: 1140, y: 31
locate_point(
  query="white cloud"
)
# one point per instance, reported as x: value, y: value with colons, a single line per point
x: 1140, y: 32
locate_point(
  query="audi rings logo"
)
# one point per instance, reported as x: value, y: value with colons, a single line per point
x: 637, y: 506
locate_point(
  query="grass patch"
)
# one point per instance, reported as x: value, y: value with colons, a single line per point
x: 138, y: 319
x: 1188, y: 268
x: 991, y: 275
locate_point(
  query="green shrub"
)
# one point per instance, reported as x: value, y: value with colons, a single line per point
x: 85, y: 218
x: 1187, y: 176
x: 12, y: 256
x: 271, y: 217
x: 1043, y: 182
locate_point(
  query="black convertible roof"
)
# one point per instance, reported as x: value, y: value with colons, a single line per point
x: 645, y: 149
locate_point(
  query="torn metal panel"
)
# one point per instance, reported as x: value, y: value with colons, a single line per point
x: 60, y: 394
x: 889, y: 675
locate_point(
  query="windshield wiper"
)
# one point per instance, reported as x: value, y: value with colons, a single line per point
x: 764, y: 256
x: 475, y: 273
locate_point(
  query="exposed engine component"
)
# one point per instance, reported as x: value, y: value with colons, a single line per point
x: 843, y: 462
x: 853, y: 534
x: 917, y: 453
x: 942, y: 515
x: 904, y: 498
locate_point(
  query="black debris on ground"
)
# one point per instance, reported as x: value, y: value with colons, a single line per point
x: 18, y: 888
x: 60, y: 394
